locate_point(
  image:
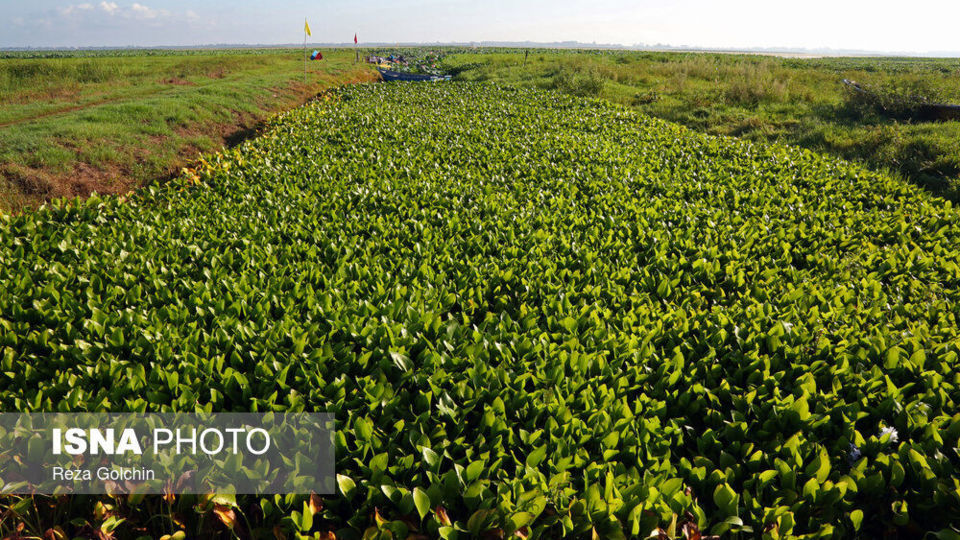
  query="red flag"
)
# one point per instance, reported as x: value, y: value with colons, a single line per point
x: 354, y: 39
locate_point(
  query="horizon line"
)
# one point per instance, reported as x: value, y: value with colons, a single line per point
x: 567, y: 44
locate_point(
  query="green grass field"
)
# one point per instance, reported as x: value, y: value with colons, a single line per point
x: 794, y: 101
x: 112, y: 121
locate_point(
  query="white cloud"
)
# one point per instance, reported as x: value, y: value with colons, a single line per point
x: 141, y: 11
x: 854, y: 24
x: 109, y: 7
x: 114, y: 10
x: 69, y: 10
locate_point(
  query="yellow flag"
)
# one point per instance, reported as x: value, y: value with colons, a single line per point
x: 306, y: 27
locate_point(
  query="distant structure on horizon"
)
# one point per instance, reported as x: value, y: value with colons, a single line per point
x: 826, y: 51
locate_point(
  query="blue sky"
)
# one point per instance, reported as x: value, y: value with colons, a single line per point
x: 882, y: 25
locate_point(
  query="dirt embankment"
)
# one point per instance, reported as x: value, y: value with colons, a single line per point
x: 28, y: 186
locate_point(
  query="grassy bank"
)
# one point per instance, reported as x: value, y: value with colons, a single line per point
x: 107, y: 122
x: 796, y: 101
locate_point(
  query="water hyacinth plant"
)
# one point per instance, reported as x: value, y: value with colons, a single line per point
x: 533, y: 315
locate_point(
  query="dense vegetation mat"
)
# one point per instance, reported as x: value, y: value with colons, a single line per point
x: 799, y: 101
x: 533, y: 315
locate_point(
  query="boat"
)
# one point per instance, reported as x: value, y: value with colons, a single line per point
x: 390, y: 75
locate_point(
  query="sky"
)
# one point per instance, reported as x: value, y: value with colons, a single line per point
x: 918, y: 26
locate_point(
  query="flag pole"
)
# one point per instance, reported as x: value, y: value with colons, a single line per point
x: 304, y: 50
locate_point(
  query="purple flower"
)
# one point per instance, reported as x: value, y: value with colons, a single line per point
x: 854, y: 453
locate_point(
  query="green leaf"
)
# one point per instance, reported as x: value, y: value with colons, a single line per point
x: 474, y: 470
x: 900, y: 514
x: 897, y: 473
x: 726, y: 500
x: 671, y: 486
x: 225, y: 499
x: 734, y: 521
x: 402, y: 361
x: 520, y: 520
x: 534, y: 458
x: 819, y: 468
x: 478, y: 521
x: 767, y: 476
x: 364, y: 429
x: 111, y: 523
x: 379, y: 463
x: 856, y: 517
x: 431, y: 458
x: 422, y: 501
x: 347, y: 486
x: 802, y: 408
x: 946, y: 534
x: 306, y: 521
x: 811, y: 489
